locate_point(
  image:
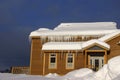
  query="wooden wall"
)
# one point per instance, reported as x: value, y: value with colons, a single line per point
x: 114, y: 47
x: 40, y: 67
x: 36, y: 57
x: 61, y: 63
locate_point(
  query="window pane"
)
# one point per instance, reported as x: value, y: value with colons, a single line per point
x: 70, y: 60
x: 70, y: 54
x: 52, y: 60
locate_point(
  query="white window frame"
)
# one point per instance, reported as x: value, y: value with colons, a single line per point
x: 69, y: 65
x: 52, y: 65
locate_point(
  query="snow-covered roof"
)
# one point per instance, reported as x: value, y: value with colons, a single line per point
x: 111, y: 35
x: 62, y: 46
x: 72, y: 45
x: 86, y: 26
x: 43, y: 29
x: 62, y: 33
x: 95, y: 41
x: 93, y: 28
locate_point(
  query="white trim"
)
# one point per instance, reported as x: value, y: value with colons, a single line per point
x: 44, y: 65
x: 71, y: 64
x: 54, y: 64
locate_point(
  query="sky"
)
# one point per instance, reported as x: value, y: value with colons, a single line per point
x: 19, y: 17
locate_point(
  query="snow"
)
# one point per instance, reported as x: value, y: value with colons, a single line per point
x: 114, y: 67
x: 72, y: 45
x: 86, y: 26
x: 43, y: 29
x: 78, y: 73
x: 95, y: 41
x: 62, y: 46
x: 110, y: 71
x: 111, y: 35
x: 63, y: 33
x: 93, y: 28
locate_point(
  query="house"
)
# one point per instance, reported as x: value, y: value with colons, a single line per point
x: 72, y: 46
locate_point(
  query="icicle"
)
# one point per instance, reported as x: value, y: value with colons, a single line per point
x: 61, y: 56
x: 76, y: 54
x: 83, y: 37
x: 63, y: 39
x: 50, y: 38
x: 43, y: 39
x: 41, y: 45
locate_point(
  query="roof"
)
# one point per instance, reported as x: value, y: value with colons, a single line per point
x: 62, y: 33
x: 95, y: 41
x: 72, y: 45
x: 93, y: 28
x: 109, y: 36
x: 62, y: 46
x: 86, y: 26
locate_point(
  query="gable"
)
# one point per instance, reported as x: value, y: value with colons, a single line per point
x: 95, y: 47
x: 111, y: 36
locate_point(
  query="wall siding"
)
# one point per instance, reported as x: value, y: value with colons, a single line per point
x: 114, y: 47
x: 37, y: 58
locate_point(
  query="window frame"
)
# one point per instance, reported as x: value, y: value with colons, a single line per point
x: 67, y: 62
x: 50, y: 64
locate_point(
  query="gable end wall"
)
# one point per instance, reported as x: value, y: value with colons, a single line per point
x: 114, y: 47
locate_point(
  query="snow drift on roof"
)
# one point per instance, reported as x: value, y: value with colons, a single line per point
x: 62, y: 46
x: 87, y: 26
x: 43, y: 29
x: 111, y: 35
x: 62, y: 33
x: 72, y: 45
x: 95, y: 41
x: 93, y: 28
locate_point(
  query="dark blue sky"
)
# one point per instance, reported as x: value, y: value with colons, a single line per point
x: 19, y: 17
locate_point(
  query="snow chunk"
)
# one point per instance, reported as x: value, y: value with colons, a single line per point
x: 114, y: 67
x: 102, y: 73
x: 52, y: 75
x: 78, y: 73
x: 43, y: 29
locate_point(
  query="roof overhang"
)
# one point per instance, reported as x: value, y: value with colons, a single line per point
x: 62, y: 46
x: 95, y: 42
x: 74, y: 45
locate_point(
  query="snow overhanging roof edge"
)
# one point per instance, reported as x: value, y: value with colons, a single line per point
x: 72, y: 45
x: 95, y: 27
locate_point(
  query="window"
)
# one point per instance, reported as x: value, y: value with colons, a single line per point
x: 70, y: 61
x: 52, y: 61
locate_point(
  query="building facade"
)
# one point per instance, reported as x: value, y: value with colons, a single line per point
x: 72, y: 46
